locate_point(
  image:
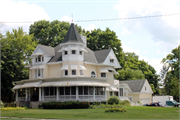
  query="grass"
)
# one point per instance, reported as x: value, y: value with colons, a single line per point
x: 133, y: 112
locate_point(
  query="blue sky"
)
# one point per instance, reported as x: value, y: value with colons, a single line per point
x: 150, y: 38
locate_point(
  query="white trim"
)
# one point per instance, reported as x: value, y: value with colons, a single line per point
x: 64, y: 67
x: 112, y: 57
x: 104, y: 70
x: 74, y: 67
x: 81, y: 67
x: 51, y: 63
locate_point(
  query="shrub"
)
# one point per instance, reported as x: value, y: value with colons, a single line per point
x: 5, y: 109
x: 113, y: 100
x: 105, y: 106
x: 65, y: 105
x: 115, y: 110
x: 9, y: 104
x: 125, y: 103
x: 2, y: 104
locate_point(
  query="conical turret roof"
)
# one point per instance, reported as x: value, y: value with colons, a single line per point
x: 72, y: 35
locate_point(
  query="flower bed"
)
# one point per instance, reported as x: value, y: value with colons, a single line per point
x: 5, y: 109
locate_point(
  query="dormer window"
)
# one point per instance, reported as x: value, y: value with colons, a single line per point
x: 73, y: 52
x: 40, y: 58
x: 73, y: 72
x: 111, y: 60
x: 65, y: 52
x: 145, y: 88
x: 103, y: 74
x: 80, y: 52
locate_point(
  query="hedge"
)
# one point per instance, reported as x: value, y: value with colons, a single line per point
x: 115, y: 110
x: 65, y: 105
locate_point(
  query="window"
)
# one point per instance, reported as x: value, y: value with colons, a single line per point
x: 90, y: 90
x: 80, y: 52
x: 85, y: 90
x: 110, y: 70
x: 93, y: 74
x: 39, y: 72
x: 80, y: 90
x: 111, y: 60
x: 145, y: 88
x: 103, y: 74
x: 61, y: 90
x: 52, y: 90
x: 66, y: 72
x: 67, y: 90
x: 39, y: 58
x: 73, y: 52
x: 111, y: 93
x: 65, y: 52
x: 121, y: 91
x: 73, y: 72
x: 46, y: 91
x: 73, y: 90
x: 81, y: 72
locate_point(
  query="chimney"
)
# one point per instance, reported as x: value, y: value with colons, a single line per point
x: 84, y: 39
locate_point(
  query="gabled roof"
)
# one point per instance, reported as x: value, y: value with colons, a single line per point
x: 89, y: 56
x: 48, y: 50
x: 101, y: 55
x: 135, y: 85
x: 72, y: 36
x: 58, y: 55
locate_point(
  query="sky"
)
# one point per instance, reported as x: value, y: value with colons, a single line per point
x: 151, y: 38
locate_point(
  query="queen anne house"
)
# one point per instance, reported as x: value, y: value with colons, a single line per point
x: 72, y: 72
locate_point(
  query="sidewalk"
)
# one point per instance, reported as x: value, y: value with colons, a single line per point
x: 17, y: 118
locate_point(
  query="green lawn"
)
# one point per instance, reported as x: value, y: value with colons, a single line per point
x: 133, y: 112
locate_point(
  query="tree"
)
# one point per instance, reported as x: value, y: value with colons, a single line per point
x: 132, y: 61
x: 129, y: 74
x: 16, y: 48
x: 99, y: 40
x: 50, y: 33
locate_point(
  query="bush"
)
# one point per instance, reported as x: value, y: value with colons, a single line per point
x: 65, y: 105
x: 125, y: 103
x: 105, y: 106
x: 9, y: 104
x: 5, y: 109
x: 113, y: 100
x: 115, y: 110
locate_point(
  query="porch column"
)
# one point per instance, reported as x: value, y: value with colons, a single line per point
x: 26, y: 94
x: 105, y: 93
x: 57, y: 92
x: 39, y: 93
x: 77, y: 93
x: 94, y: 93
x: 119, y: 92
x: 42, y: 93
x: 17, y: 95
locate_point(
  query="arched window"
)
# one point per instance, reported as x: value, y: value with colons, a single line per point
x: 93, y: 74
x: 39, y: 58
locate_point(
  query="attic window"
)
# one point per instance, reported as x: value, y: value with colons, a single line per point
x: 80, y: 52
x: 111, y: 60
x: 145, y: 88
x: 73, y: 52
x: 65, y: 52
x: 40, y: 58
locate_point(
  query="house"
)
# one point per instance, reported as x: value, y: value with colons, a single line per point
x: 72, y: 72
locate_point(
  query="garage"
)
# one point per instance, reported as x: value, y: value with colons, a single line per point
x: 145, y: 100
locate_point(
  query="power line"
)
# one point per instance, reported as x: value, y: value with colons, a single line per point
x: 102, y: 19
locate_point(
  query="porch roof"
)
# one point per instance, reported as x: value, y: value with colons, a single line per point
x: 27, y: 85
x: 73, y: 83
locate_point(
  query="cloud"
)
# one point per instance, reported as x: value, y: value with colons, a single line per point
x: 145, y: 52
x: 11, y: 11
x: 91, y: 27
x: 67, y: 19
x: 125, y: 31
x: 129, y: 49
x: 162, y: 29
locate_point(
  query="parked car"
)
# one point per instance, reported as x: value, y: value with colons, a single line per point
x: 153, y: 104
x: 172, y: 103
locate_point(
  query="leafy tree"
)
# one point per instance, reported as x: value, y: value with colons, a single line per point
x: 50, y: 33
x: 16, y: 48
x: 170, y: 72
x: 98, y: 40
x: 129, y: 74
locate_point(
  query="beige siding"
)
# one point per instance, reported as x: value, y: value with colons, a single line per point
x: 135, y: 97
x: 30, y: 74
x: 53, y: 71
x: 46, y: 75
x: 33, y: 74
x: 90, y: 68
